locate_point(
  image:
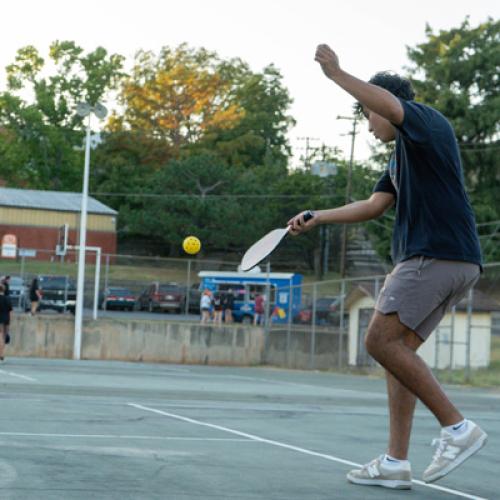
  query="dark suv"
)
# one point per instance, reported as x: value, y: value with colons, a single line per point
x: 162, y: 297
x: 58, y: 293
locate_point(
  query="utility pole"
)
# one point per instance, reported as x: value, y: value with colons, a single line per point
x: 343, y: 249
x: 307, y: 148
x: 325, y: 169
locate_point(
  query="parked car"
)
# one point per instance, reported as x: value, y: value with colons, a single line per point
x: 162, y: 297
x: 117, y: 298
x: 58, y: 293
x: 17, y: 291
x: 327, y: 312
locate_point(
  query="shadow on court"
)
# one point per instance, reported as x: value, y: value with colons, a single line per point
x: 112, y: 430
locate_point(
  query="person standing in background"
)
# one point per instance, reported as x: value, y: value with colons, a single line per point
x: 205, y: 306
x: 35, y: 296
x: 259, y: 309
x: 6, y: 284
x: 228, y: 304
x: 5, y: 310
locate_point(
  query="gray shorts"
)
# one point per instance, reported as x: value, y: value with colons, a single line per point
x: 421, y: 289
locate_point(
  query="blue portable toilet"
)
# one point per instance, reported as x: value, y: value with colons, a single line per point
x: 285, y: 288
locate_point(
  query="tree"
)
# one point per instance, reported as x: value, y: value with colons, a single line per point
x: 41, y: 140
x: 179, y: 200
x: 456, y: 71
x: 188, y: 117
x: 177, y: 95
x: 190, y: 98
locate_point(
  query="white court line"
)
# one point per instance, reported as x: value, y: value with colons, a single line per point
x: 120, y: 436
x: 293, y: 448
x: 24, y: 377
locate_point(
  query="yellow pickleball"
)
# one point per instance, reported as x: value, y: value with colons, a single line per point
x: 191, y: 245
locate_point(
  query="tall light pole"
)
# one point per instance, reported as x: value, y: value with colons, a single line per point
x: 84, y: 110
x: 343, y: 249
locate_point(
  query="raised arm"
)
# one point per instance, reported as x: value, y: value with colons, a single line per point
x: 358, y: 211
x: 371, y: 96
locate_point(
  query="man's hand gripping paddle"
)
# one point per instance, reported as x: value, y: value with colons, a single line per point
x: 262, y: 248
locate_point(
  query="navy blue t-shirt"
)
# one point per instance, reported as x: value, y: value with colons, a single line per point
x: 434, y: 216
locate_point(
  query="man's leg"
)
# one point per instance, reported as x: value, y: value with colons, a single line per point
x: 387, y: 341
x: 401, y: 409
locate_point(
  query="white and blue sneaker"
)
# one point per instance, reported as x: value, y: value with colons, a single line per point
x: 380, y: 472
x: 453, y: 449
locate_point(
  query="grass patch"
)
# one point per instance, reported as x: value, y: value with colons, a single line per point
x: 142, y: 271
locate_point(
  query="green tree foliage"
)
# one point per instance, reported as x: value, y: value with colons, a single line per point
x: 457, y: 72
x: 195, y: 137
x: 185, y: 198
x: 41, y: 136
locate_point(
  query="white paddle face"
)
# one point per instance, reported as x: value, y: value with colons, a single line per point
x: 262, y: 248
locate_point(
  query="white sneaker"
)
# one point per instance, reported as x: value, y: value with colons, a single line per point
x: 375, y: 474
x: 452, y: 451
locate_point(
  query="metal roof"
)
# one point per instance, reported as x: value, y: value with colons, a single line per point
x: 50, y: 200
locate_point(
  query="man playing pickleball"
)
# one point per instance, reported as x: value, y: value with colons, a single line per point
x: 437, y: 258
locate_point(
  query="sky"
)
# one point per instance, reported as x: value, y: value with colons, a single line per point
x: 368, y: 36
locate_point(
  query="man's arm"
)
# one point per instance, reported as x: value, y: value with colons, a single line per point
x: 375, y: 98
x: 358, y: 211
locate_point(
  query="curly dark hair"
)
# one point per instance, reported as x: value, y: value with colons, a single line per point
x: 396, y: 84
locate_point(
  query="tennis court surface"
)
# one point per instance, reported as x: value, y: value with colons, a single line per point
x: 113, y: 430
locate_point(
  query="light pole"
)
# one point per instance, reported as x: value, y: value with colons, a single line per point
x: 84, y: 110
x: 343, y: 250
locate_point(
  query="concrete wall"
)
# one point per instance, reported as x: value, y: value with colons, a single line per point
x: 137, y: 340
x: 299, y: 354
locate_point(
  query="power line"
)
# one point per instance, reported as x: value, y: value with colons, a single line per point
x: 237, y: 196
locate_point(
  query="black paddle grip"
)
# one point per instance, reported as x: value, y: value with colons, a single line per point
x: 308, y: 215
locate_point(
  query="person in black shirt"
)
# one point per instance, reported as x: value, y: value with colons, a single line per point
x: 437, y: 259
x: 6, y: 284
x: 35, y: 296
x: 5, y: 310
x: 228, y: 304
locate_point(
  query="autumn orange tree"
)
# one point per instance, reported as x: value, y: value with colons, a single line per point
x: 190, y: 123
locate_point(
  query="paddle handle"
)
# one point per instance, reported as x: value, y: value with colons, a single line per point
x: 308, y: 215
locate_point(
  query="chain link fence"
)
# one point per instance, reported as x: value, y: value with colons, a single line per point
x: 322, y: 328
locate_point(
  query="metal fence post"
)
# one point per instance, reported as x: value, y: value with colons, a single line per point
x: 341, y: 324
x: 97, y: 278
x: 22, y: 267
x: 452, y: 341
x: 267, y: 311
x: 66, y: 284
x: 313, y: 330
x: 377, y: 288
x: 106, y: 273
x: 289, y: 325
x: 468, y: 333
x: 188, y: 285
x: 436, y: 349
